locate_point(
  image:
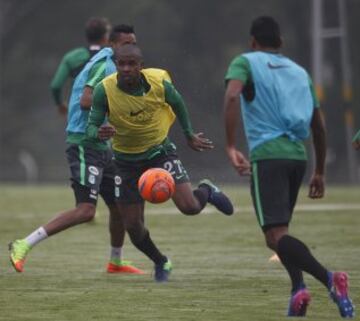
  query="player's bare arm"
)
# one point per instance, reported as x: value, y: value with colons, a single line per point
x: 231, y: 114
x: 317, y: 185
x: 62, y: 109
x: 96, y: 127
x: 196, y: 141
x: 86, y: 98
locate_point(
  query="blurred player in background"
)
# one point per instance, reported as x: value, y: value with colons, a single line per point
x: 97, y: 34
x: 279, y: 107
x: 140, y: 104
x: 356, y: 140
x: 91, y: 165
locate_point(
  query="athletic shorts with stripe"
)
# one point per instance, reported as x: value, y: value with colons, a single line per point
x: 129, y: 172
x: 275, y: 185
x: 92, y: 173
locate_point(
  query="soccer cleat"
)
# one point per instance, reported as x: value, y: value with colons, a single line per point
x: 298, y: 303
x: 121, y: 266
x: 338, y: 287
x: 18, y: 251
x: 162, y: 271
x: 218, y: 198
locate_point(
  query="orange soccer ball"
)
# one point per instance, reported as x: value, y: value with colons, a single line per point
x: 156, y: 185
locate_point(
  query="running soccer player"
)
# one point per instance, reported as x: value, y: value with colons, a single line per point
x: 140, y: 105
x: 279, y: 107
x: 91, y: 166
x: 97, y: 35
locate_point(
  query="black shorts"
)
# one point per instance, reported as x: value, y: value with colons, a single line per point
x: 275, y: 186
x: 129, y: 172
x: 92, y: 173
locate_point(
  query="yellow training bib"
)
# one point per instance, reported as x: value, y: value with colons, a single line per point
x: 141, y: 122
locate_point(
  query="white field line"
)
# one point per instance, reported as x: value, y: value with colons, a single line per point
x: 161, y: 210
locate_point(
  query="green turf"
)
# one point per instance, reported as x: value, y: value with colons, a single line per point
x: 221, y: 270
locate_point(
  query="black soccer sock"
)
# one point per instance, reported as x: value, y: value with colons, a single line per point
x: 202, y: 194
x: 296, y: 253
x: 296, y: 275
x: 147, y: 246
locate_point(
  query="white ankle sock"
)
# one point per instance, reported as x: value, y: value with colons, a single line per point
x: 36, y: 236
x: 116, y: 253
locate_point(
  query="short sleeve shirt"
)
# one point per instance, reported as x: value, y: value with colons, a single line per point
x: 280, y: 147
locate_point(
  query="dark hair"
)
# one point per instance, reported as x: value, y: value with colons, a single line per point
x: 266, y: 32
x: 96, y: 29
x: 120, y: 29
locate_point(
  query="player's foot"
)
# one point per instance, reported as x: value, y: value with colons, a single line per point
x: 121, y: 266
x: 18, y: 251
x: 299, y: 301
x: 162, y: 271
x: 218, y: 198
x: 338, y: 287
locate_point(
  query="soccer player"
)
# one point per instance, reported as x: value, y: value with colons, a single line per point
x: 91, y: 166
x: 279, y: 107
x: 356, y: 140
x: 140, y: 105
x: 97, y: 35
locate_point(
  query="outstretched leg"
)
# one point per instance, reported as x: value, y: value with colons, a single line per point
x: 84, y: 212
x: 140, y: 237
x: 192, y: 202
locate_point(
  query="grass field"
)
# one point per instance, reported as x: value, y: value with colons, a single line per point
x: 221, y: 269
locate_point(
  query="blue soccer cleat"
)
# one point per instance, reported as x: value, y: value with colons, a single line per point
x: 162, y: 271
x: 299, y: 302
x: 338, y: 287
x: 218, y: 198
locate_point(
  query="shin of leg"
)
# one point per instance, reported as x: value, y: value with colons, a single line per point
x: 273, y: 236
x: 133, y: 218
x: 84, y: 212
x: 299, y: 255
x: 185, y: 200
x: 116, y: 226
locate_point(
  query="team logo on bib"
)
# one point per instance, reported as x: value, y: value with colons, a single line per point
x: 93, y: 170
x: 117, y: 180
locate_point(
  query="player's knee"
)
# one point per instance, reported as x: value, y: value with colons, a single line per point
x: 86, y: 211
x: 273, y: 236
x: 271, y: 243
x: 271, y: 240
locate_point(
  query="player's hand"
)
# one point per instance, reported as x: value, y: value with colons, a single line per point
x: 239, y: 161
x: 106, y: 132
x: 356, y: 144
x: 199, y: 143
x: 356, y: 140
x: 317, y: 186
x: 62, y: 109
